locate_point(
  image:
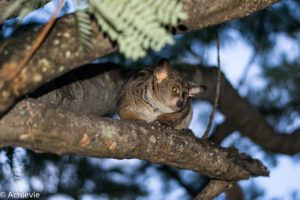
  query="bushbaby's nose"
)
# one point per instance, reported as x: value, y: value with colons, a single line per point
x: 179, y: 104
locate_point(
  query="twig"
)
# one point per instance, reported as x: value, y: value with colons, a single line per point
x: 36, y: 44
x: 213, y: 189
x: 211, y: 117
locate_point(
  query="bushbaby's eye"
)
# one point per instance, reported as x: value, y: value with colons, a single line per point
x: 174, y: 90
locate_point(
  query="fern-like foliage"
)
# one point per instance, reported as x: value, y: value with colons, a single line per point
x: 84, y: 28
x: 136, y: 25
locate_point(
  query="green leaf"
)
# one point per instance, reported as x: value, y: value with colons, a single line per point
x: 136, y: 25
x: 84, y: 28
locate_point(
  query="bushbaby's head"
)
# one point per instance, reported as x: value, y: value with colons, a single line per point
x: 171, y: 89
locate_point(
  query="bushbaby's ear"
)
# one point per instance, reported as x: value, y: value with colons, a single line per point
x: 196, y: 90
x: 162, y: 70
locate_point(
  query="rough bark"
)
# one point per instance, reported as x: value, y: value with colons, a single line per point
x: 96, y: 93
x: 61, y: 51
x: 240, y: 114
x: 49, y: 128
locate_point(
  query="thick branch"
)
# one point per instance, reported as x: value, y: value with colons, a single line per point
x: 101, y: 99
x: 61, y: 51
x: 96, y: 93
x: 51, y: 129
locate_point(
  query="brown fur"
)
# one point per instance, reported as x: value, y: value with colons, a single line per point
x: 150, y: 95
x: 129, y: 115
x: 178, y: 120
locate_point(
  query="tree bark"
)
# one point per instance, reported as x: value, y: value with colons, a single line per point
x: 58, y: 129
x: 49, y: 128
x: 61, y: 51
x: 98, y: 96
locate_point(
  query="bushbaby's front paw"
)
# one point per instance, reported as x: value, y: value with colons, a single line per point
x: 160, y: 125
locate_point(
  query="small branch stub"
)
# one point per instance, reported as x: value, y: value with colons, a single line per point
x: 85, y: 140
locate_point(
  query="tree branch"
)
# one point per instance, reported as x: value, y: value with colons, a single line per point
x: 235, y: 192
x: 92, y: 89
x: 221, y: 132
x: 99, y: 96
x: 218, y: 85
x: 240, y: 114
x: 213, y: 189
x: 252, y: 124
x: 61, y: 51
x: 49, y: 128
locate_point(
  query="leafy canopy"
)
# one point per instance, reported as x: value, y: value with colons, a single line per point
x: 135, y: 25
